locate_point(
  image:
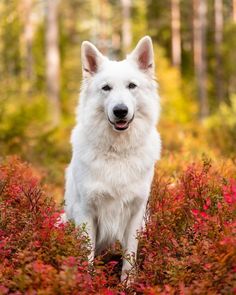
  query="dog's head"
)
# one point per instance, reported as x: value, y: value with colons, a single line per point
x: 125, y: 91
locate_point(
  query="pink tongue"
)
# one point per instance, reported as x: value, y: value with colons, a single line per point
x: 121, y: 124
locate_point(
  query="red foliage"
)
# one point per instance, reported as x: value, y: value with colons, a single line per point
x: 36, y: 252
x: 229, y: 192
x: 187, y: 247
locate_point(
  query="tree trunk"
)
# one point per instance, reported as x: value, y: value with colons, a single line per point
x: 176, y: 35
x: 53, y: 60
x: 103, y: 27
x: 199, y: 43
x: 234, y: 11
x: 126, y: 26
x: 218, y: 9
x: 28, y: 37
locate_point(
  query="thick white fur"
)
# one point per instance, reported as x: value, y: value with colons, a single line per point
x: 109, y: 177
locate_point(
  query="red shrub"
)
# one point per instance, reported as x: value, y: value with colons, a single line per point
x: 189, y: 244
x: 36, y: 253
x: 187, y: 247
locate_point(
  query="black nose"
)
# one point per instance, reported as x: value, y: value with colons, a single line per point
x: 120, y: 111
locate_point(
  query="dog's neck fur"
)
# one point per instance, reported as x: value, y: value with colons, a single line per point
x: 110, y: 141
x: 107, y: 139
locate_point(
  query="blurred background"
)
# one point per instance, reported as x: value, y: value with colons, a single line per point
x: 40, y: 74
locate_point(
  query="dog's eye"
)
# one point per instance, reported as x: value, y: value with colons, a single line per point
x: 132, y: 86
x: 106, y: 88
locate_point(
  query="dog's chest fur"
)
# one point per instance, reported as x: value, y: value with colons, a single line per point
x: 112, y: 185
x: 111, y: 217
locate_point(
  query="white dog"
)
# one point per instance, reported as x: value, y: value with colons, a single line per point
x: 115, y: 146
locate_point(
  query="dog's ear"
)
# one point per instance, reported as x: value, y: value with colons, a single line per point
x: 143, y: 55
x: 91, y: 58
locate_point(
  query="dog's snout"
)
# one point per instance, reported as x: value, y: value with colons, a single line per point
x: 120, y: 111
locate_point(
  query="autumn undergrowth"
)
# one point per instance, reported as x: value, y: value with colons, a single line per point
x: 187, y: 247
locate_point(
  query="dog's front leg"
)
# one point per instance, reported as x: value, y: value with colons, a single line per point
x: 87, y: 221
x: 130, y: 242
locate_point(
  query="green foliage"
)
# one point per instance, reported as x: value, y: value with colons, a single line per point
x: 139, y: 20
x: 229, y: 55
x: 10, y: 24
x: 158, y: 19
x: 178, y: 105
x: 19, y: 122
x: 222, y: 128
x: 38, y: 50
x: 25, y: 130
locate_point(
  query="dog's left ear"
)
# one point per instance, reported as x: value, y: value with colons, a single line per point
x: 143, y: 55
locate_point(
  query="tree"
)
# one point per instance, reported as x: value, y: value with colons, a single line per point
x: 53, y: 59
x: 126, y: 25
x: 10, y: 31
x: 28, y: 34
x: 218, y: 11
x: 234, y: 11
x: 199, y: 44
x: 175, y: 33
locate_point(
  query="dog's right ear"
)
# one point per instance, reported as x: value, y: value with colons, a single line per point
x: 91, y: 59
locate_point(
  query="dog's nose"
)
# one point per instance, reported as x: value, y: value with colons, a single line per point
x: 120, y: 111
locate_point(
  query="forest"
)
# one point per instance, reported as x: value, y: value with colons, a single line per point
x: 189, y: 243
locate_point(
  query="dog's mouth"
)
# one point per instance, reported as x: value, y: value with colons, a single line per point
x: 121, y: 125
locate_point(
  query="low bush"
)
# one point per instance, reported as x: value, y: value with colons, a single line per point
x: 189, y: 244
x: 37, y: 252
x: 187, y: 247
